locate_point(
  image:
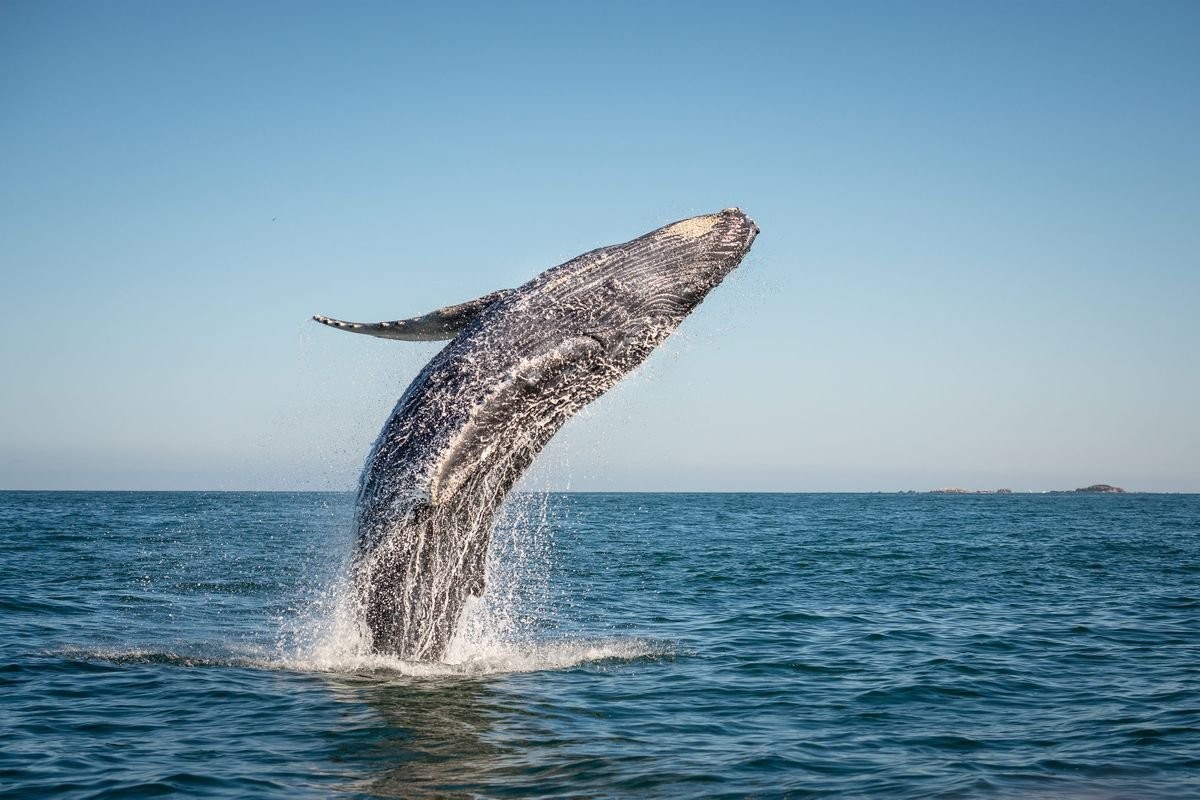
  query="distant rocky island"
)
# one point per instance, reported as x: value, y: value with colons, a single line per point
x: 1095, y: 488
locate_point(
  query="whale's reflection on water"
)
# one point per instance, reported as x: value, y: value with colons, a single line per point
x: 477, y: 730
x: 423, y: 738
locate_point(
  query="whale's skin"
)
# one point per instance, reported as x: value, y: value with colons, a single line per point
x: 476, y: 416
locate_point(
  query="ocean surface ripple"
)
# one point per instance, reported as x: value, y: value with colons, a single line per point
x: 630, y: 645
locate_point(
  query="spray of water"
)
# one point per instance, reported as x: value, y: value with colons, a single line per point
x: 513, y: 627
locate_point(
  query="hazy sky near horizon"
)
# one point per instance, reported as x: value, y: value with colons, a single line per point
x: 979, y: 262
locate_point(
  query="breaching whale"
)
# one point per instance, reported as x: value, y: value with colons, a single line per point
x: 519, y: 364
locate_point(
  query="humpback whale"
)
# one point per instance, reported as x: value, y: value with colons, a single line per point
x: 520, y: 362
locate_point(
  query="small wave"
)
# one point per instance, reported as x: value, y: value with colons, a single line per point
x: 175, y: 658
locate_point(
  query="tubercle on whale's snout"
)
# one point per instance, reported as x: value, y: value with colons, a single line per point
x: 738, y: 230
x: 745, y: 219
x: 736, y: 238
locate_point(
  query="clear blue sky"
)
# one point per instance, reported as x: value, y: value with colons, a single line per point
x: 979, y: 262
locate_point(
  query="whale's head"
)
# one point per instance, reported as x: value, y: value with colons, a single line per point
x: 686, y: 259
x: 629, y: 297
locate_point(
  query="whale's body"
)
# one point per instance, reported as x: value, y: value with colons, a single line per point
x: 520, y: 364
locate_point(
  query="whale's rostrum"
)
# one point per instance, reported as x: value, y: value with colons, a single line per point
x: 518, y: 365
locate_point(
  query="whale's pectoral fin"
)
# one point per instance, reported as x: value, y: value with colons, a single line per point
x: 445, y: 323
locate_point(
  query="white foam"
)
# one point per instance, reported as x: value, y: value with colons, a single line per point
x: 499, y: 660
x: 559, y: 655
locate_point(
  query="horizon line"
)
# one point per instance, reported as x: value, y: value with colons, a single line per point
x: 937, y: 492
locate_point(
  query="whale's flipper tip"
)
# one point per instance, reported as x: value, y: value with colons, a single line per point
x: 337, y: 323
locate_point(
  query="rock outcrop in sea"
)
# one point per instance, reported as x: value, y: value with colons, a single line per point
x: 1095, y: 488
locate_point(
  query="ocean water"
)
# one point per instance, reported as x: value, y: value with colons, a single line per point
x: 631, y: 645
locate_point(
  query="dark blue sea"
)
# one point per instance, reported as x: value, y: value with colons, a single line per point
x: 630, y: 645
